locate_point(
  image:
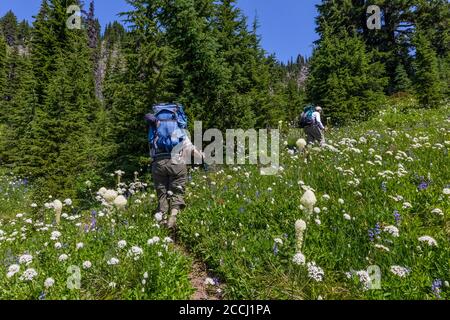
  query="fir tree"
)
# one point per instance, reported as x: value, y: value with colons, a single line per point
x: 343, y: 78
x: 8, y: 24
x: 428, y: 84
x: 402, y: 83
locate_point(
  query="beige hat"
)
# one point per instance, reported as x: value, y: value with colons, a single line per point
x: 319, y: 109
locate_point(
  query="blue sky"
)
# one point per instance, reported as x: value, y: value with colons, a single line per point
x: 286, y: 26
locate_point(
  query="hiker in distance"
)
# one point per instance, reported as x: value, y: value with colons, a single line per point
x: 170, y: 148
x: 310, y: 121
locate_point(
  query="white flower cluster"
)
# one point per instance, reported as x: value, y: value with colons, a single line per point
x: 25, y: 259
x: 135, y: 252
x: 299, y: 259
x: 392, y: 230
x: 400, y: 271
x: 315, y: 272
x: 28, y: 275
x: 429, y: 241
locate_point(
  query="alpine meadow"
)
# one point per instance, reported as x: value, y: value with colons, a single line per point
x: 362, y: 215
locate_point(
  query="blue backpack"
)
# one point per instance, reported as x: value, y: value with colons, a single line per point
x: 168, y: 131
x: 306, y: 119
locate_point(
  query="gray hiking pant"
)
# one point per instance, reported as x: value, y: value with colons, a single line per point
x: 169, y: 177
x: 313, y: 134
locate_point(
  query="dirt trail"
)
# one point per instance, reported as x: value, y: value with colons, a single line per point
x: 198, y: 276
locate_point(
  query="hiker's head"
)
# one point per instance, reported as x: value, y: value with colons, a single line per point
x: 319, y: 109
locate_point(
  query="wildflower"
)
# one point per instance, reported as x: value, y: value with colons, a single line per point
x: 392, y: 230
x: 49, y: 282
x: 429, y: 240
x: 317, y: 210
x: 63, y: 257
x: 57, y: 206
x: 397, y: 217
x: 400, y: 271
x: 110, y: 195
x: 209, y: 281
x: 436, y: 288
x: 300, y: 227
x: 68, y: 202
x: 446, y: 191
x: 159, y: 216
x: 168, y: 240
x: 12, y: 270
x: 113, y: 261
x: 135, y: 252
x: 80, y: 245
x: 364, y: 279
x: 55, y: 235
x: 28, y: 275
x: 87, y: 265
x: 347, y: 217
x: 112, y: 285
x: 341, y: 201
x: 308, y: 200
x: 122, y: 244
x: 120, y: 202
x: 326, y: 197
x: 318, y: 222
x: 278, y: 240
x: 315, y: 272
x: 58, y: 245
x: 379, y: 246
x: 25, y: 259
x: 407, y: 205
x: 299, y: 259
x: 374, y: 233
x: 34, y: 205
x: 437, y: 211
x: 301, y: 144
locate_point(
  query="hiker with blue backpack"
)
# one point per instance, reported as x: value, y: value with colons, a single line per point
x: 311, y: 122
x: 169, y: 149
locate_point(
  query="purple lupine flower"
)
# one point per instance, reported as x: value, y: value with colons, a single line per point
x: 383, y: 186
x: 373, y: 233
x: 42, y: 296
x: 241, y: 210
x: 275, y: 248
x: 397, y: 217
x: 436, y: 288
x: 423, y: 185
x: 93, y: 213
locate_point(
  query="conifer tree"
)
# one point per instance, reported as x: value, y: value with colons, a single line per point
x: 428, y: 83
x: 402, y: 83
x: 343, y: 78
x: 8, y: 25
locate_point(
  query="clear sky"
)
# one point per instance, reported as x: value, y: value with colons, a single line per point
x: 286, y: 26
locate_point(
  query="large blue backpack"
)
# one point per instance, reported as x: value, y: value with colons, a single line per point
x: 306, y: 119
x: 168, y: 131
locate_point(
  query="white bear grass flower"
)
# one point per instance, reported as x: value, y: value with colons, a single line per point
x: 121, y: 244
x: 63, y: 257
x: 87, y: 265
x: 120, y: 202
x: 315, y: 272
x: 308, y: 200
x: 113, y: 261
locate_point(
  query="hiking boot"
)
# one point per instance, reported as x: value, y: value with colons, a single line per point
x: 173, y: 219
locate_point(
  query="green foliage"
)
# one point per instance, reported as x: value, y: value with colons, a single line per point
x: 344, y: 80
x: 8, y: 25
x: 402, y: 83
x: 428, y: 83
